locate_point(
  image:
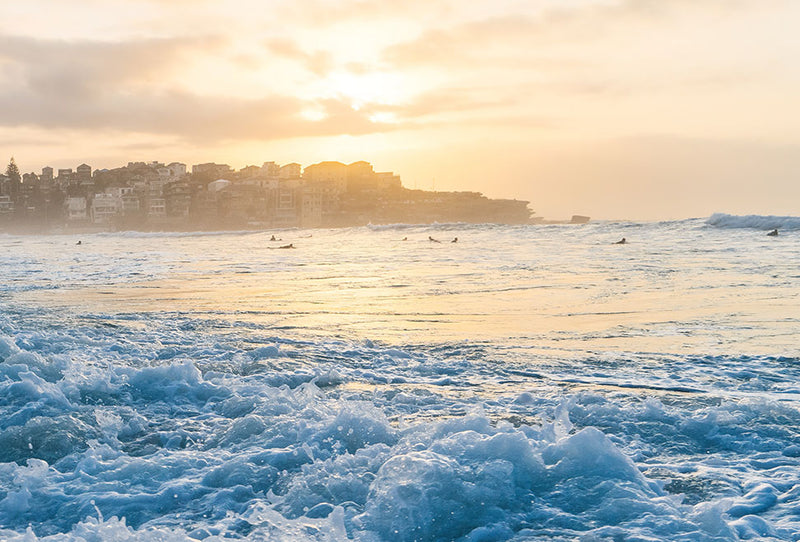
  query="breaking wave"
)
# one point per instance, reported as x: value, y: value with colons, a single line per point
x: 758, y: 222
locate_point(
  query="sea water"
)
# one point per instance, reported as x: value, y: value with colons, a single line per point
x: 521, y: 383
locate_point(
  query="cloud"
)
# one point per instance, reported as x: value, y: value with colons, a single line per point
x: 324, y: 13
x: 449, y: 100
x: 192, y: 117
x: 608, y: 50
x: 126, y: 86
x: 84, y: 68
x: 317, y: 62
x: 504, y: 38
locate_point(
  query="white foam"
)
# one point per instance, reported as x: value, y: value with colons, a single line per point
x: 760, y: 222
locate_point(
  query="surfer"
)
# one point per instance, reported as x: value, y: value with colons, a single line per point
x: 432, y: 240
x: 78, y: 243
x: 773, y: 233
x: 621, y: 242
x: 290, y: 245
x: 455, y: 240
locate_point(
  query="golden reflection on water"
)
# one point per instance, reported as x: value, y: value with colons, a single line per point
x: 555, y: 316
x: 548, y: 290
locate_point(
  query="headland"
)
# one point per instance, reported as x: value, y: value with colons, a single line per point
x: 151, y: 196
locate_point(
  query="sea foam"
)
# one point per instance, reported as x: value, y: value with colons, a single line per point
x: 759, y: 222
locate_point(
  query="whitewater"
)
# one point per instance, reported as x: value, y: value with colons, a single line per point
x: 499, y: 383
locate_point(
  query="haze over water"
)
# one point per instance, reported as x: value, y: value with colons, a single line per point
x: 525, y: 382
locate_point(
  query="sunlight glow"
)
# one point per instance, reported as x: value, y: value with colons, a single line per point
x: 314, y: 115
x: 384, y: 117
x: 372, y: 87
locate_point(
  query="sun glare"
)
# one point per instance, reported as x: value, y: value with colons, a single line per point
x: 368, y: 88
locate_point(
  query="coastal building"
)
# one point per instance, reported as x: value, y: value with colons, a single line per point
x: 177, y: 169
x: 47, y: 175
x: 64, y: 176
x: 312, y: 206
x: 156, y: 208
x: 28, y: 194
x: 330, y: 180
x: 290, y: 171
x: 155, y: 189
x: 131, y: 204
x: 360, y: 176
x: 6, y: 205
x: 76, y: 209
x: 211, y: 170
x: 286, y: 203
x: 334, y: 173
x: 249, y: 172
x: 30, y: 179
x: 104, y: 208
x: 83, y: 173
x: 271, y: 170
x: 219, y: 184
x: 178, y: 198
x: 387, y: 180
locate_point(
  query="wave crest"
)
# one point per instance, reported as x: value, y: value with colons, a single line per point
x: 759, y: 222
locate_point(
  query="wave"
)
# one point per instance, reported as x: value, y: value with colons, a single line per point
x: 758, y: 222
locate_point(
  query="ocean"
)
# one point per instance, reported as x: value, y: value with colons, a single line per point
x: 521, y: 383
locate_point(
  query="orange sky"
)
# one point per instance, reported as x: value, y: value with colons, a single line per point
x: 630, y: 109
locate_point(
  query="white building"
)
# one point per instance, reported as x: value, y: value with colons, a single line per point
x: 105, y: 207
x: 157, y: 207
x: 76, y: 209
x: 155, y: 189
x: 6, y: 205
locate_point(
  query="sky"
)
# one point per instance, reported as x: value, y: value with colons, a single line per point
x: 616, y: 109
